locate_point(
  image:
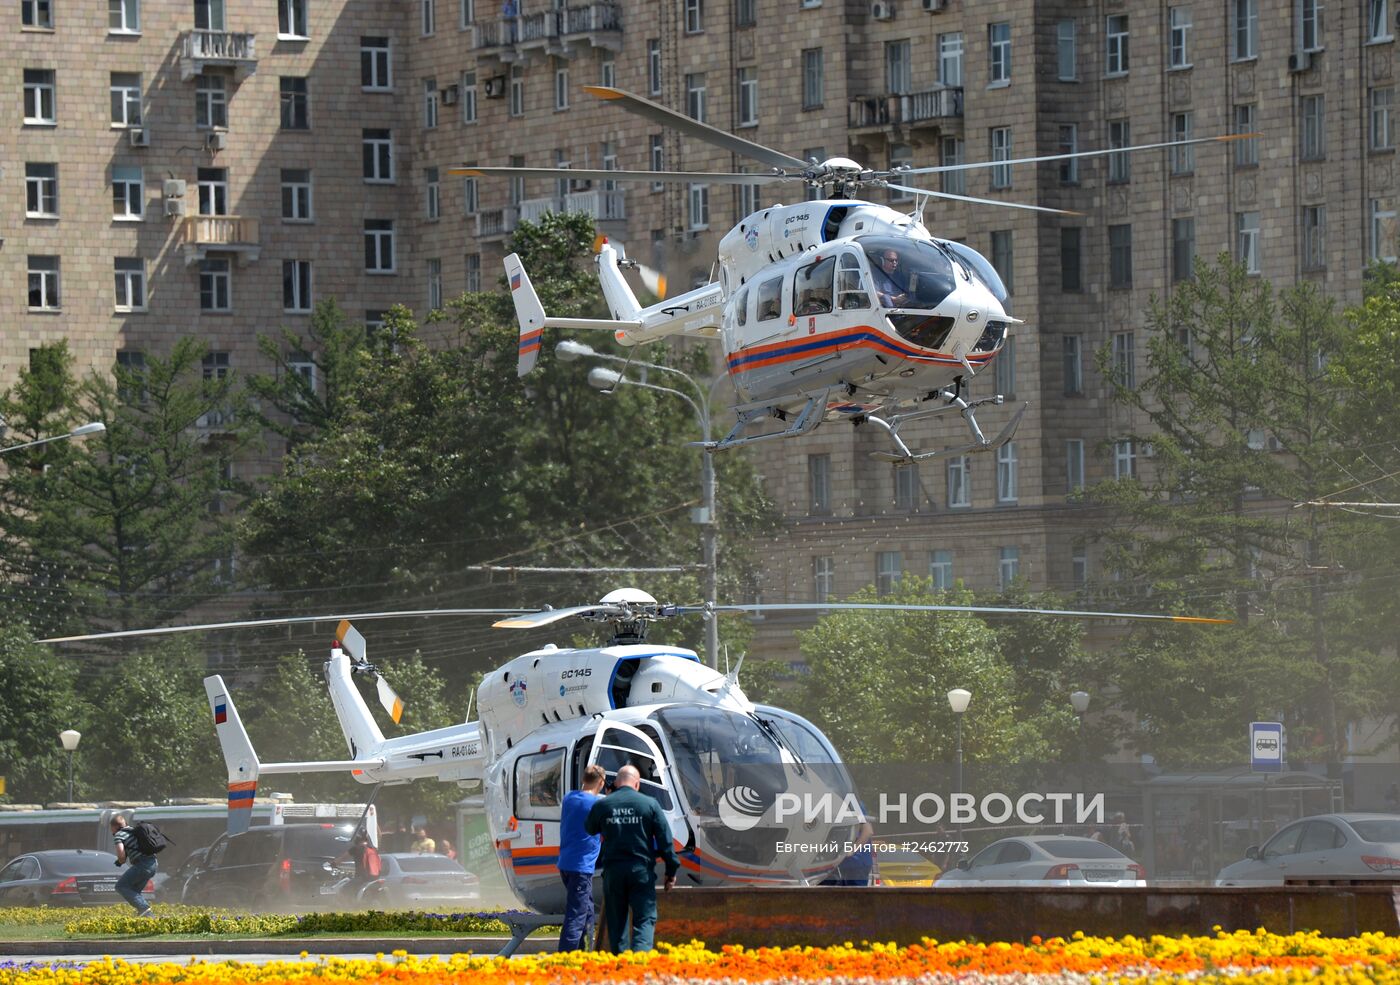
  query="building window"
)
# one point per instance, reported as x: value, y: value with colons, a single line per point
x: 377, y: 148
x: 951, y: 155
x: 41, y: 190
x: 959, y: 482
x: 43, y: 283
x: 1247, y: 240
x: 1183, y: 158
x: 654, y: 66
x: 473, y: 267
x: 1183, y: 249
x: 1124, y: 360
x: 1313, y: 129
x: 1383, y: 232
x: 1074, y: 465
x: 657, y: 156
x: 209, y: 15
x: 128, y: 193
x: 296, y: 194
x: 517, y: 91
x: 296, y: 286
x: 940, y: 570
x: 819, y: 485
x: 1378, y: 20
x: 813, y: 78
x: 1008, y: 567
x: 39, y: 104
x: 36, y: 13
x: 124, y: 16
x: 210, y: 102
x: 906, y: 487
x: 212, y: 185
x: 695, y: 96
x: 379, y: 246
x: 1310, y: 25
x: 1124, y: 459
x: 1001, y: 151
x: 748, y: 97
x: 699, y: 211
x: 1006, y: 369
x: 1120, y: 256
x: 434, y: 284
x: 823, y: 578
x: 745, y: 13
x: 1071, y: 258
x: 428, y: 9
x: 1066, y: 51
x: 432, y: 188
x: 1119, y: 170
x: 375, y: 72
x: 1179, y: 41
x: 694, y: 16
x: 468, y: 97
x: 470, y: 196
x: 1245, y: 17
x: 950, y: 59
x: 750, y: 201
x: 889, y: 568
x: 1079, y: 567
x: 1116, y: 44
x: 214, y: 286
x: 1247, y: 149
x: 1069, y: 144
x: 1072, y: 358
x: 430, y: 103
x: 131, y: 375
x: 1007, y: 484
x: 901, y: 156
x: 999, y: 53
x: 1314, y: 237
x: 296, y: 105
x: 899, y: 71
x: 126, y: 99
x: 1382, y: 129
x: 1002, y: 258
x: 291, y: 19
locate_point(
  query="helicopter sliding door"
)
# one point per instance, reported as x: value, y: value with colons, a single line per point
x: 617, y: 745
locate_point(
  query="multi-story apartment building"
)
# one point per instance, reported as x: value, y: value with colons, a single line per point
x: 216, y: 167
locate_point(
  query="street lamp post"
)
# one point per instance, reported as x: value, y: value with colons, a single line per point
x: 1079, y: 701
x: 69, y: 737
x: 607, y: 380
x: 958, y: 700
x: 78, y: 432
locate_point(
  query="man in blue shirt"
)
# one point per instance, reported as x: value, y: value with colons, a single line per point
x: 578, y: 853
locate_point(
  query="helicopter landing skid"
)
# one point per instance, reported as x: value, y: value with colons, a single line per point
x: 806, y: 420
x: 952, y: 402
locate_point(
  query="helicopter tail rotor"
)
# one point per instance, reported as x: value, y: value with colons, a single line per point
x: 353, y: 643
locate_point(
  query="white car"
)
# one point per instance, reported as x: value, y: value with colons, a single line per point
x: 1047, y: 860
x: 1351, y: 847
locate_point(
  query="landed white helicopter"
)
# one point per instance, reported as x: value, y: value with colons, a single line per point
x: 715, y: 761
x: 827, y: 310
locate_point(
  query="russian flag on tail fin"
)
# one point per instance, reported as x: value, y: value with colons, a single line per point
x: 239, y: 757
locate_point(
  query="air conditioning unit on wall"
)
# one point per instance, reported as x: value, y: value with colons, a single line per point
x: 1300, y: 61
x: 449, y: 96
x: 139, y: 137
x: 495, y: 87
x: 935, y: 6
x: 882, y: 10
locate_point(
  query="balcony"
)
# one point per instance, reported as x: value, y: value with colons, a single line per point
x: 495, y: 223
x: 599, y: 24
x: 595, y: 24
x: 217, y: 49
x: 602, y: 205
x: 535, y: 209
x: 202, y: 234
x: 906, y: 109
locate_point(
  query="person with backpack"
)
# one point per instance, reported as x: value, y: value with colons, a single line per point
x: 137, y: 846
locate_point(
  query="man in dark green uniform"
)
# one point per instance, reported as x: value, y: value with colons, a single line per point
x: 635, y: 833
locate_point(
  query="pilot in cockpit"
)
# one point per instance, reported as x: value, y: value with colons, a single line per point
x: 888, y: 279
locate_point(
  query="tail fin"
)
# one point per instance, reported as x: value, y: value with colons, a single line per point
x: 239, y: 757
x: 621, y: 301
x: 528, y: 311
x: 362, y: 735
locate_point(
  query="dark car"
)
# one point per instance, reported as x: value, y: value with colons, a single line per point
x: 171, y: 885
x: 76, y: 877
x: 410, y: 881
x: 277, y: 867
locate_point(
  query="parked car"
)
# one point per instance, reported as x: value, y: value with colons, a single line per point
x: 1325, y: 847
x: 1047, y: 860
x: 277, y: 867
x: 62, y: 877
x: 903, y: 867
x: 411, y: 881
x: 171, y: 885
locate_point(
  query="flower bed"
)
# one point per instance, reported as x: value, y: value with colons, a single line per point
x: 1225, y: 959
x: 183, y: 920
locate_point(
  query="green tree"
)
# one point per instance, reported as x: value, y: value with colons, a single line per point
x: 40, y: 700
x: 313, y: 374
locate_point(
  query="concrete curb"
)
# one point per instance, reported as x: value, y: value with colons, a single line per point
x: 271, y: 945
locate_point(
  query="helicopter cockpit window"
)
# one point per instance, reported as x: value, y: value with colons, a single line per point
x: 811, y: 288
x: 908, y: 273
x: 850, y: 285
x: 983, y: 270
x: 770, y: 299
x: 741, y: 308
x: 714, y: 751
x: 618, y: 749
x: 539, y: 785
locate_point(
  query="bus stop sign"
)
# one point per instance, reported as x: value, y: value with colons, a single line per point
x: 1266, y: 747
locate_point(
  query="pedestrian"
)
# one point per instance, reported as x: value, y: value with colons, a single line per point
x: 445, y: 847
x: 578, y: 853
x: 422, y: 844
x: 635, y: 833
x: 141, y: 868
x: 859, y: 864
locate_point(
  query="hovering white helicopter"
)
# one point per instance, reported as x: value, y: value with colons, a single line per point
x: 827, y: 310
x: 714, y: 760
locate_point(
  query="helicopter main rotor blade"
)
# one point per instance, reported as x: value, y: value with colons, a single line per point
x: 694, y: 128
x: 980, y: 165
x: 980, y: 201
x: 529, y: 619
x: 676, y: 177
x: 283, y: 621
x: 985, y: 610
